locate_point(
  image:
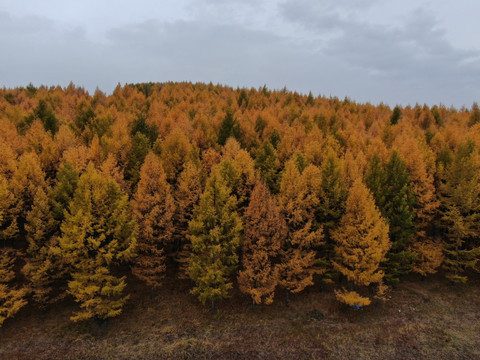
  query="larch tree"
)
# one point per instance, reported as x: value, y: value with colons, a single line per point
x: 98, y: 233
x: 215, y: 233
x: 186, y: 195
x: 265, y: 230
x: 8, y: 213
x: 154, y: 208
x: 460, y: 213
x: 11, y: 299
x: 44, y: 265
x: 361, y: 245
x: 298, y: 199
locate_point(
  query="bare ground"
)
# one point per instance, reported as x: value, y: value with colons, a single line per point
x: 423, y: 320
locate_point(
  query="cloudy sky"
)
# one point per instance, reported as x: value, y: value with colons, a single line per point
x: 398, y: 52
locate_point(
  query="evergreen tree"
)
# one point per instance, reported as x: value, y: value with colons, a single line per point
x: 265, y: 229
x: 229, y: 128
x: 266, y: 161
x: 140, y: 149
x: 215, y: 237
x: 331, y: 207
x: 460, y: 213
x: 98, y: 232
x: 395, y: 198
x: 396, y: 115
x: 361, y: 245
x: 62, y: 192
x: 153, y: 207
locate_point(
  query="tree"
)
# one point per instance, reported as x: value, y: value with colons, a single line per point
x: 64, y: 189
x: 361, y: 244
x: 154, y: 207
x: 140, y: 149
x: 298, y: 199
x: 98, y: 232
x: 332, y: 198
x: 187, y: 194
x: 11, y: 299
x: 395, y: 198
x: 396, y: 115
x: 460, y: 213
x: 266, y: 161
x: 44, y: 264
x: 229, y: 128
x: 265, y: 229
x: 215, y: 237
x: 25, y: 182
x: 8, y: 213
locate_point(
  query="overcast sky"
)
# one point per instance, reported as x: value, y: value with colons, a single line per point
x: 398, y: 52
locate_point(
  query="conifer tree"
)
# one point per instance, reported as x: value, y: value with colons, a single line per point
x: 11, y: 299
x: 25, y: 182
x: 140, y: 149
x: 265, y: 229
x: 361, y: 245
x: 395, y: 198
x: 332, y: 198
x: 298, y: 200
x: 215, y: 237
x: 187, y: 194
x: 460, y: 213
x: 229, y: 128
x: 266, y: 161
x: 44, y: 263
x: 64, y: 189
x: 8, y: 212
x: 98, y: 233
x: 154, y: 207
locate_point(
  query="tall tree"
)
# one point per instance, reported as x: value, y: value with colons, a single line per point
x: 187, y: 195
x: 265, y: 229
x: 98, y: 233
x: 298, y: 200
x: 361, y: 245
x: 8, y: 213
x: 215, y: 236
x: 11, y: 299
x: 154, y: 208
x: 393, y: 193
x: 44, y: 265
x: 460, y: 212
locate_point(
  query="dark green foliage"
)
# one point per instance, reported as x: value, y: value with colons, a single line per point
x: 140, y: 126
x: 140, y: 149
x: 267, y: 163
x: 62, y: 193
x: 229, y: 128
x: 243, y: 98
x: 300, y: 161
x: 275, y: 138
x: 84, y: 115
x: 395, y: 198
x: 260, y: 125
x: 310, y: 99
x: 396, y: 115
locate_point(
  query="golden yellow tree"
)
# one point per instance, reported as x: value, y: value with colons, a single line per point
x: 361, y: 245
x: 265, y: 229
x: 154, y: 207
x: 298, y: 199
x: 11, y: 299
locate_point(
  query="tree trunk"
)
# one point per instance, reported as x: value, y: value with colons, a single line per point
x: 212, y: 309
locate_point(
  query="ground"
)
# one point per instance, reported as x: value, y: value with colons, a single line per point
x: 423, y: 320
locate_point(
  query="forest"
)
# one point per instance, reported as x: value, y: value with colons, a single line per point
x: 268, y: 192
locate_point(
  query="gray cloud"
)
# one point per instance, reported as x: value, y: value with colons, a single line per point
x: 333, y: 53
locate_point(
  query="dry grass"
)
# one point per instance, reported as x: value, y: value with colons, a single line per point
x: 424, y: 320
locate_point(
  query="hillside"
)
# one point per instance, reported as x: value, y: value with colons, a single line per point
x: 187, y: 215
